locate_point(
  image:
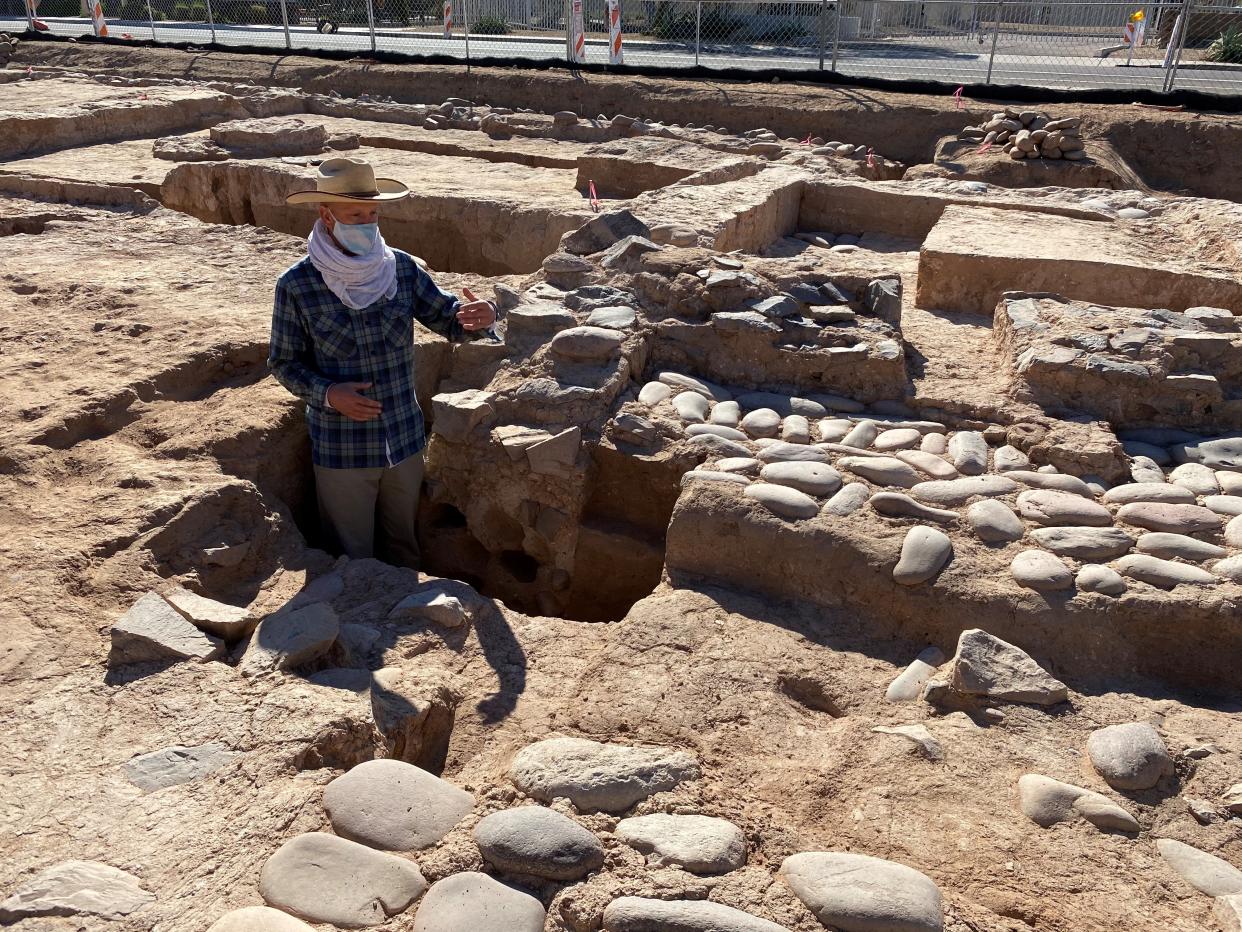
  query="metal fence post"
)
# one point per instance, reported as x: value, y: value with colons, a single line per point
x: 698, y: 30
x: 836, y: 34
x: 371, y: 22
x: 1181, y: 28
x: 569, y: 32
x: 211, y: 22
x: 151, y: 19
x: 29, y: 16
x: 465, y: 24
x: 823, y: 31
x: 1000, y: 9
x: 284, y: 18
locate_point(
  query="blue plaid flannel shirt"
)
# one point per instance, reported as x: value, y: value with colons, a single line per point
x: 318, y: 341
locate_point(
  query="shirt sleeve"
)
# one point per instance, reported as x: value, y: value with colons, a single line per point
x: 290, y: 357
x: 435, y: 308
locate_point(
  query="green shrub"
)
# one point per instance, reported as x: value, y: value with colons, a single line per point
x: 198, y: 13
x: 1227, y: 48
x: 490, y: 26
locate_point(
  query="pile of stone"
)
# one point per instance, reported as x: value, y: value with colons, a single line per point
x: 8, y: 45
x: 840, y: 150
x: 823, y: 455
x: 1029, y: 134
x: 384, y: 811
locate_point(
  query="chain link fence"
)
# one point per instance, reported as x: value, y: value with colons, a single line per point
x: 1185, y: 44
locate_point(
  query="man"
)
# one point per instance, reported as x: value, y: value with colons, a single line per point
x: 343, y: 342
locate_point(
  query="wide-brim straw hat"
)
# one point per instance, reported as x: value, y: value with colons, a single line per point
x: 349, y: 181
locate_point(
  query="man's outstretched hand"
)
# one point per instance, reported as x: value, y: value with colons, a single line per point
x: 347, y: 398
x: 476, y: 314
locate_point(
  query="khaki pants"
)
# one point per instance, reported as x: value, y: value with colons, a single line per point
x: 350, y: 500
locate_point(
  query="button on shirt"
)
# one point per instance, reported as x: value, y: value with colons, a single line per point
x: 318, y: 341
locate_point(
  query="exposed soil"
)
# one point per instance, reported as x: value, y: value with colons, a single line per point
x: 624, y: 599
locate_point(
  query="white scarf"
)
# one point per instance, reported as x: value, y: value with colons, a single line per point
x: 359, y: 281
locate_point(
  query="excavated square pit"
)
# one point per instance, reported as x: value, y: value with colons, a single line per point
x: 725, y: 423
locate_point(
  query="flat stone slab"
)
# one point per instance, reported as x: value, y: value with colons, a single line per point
x: 952, y: 492
x: 587, y: 344
x: 1132, y: 756
x: 474, y: 902
x: 780, y: 451
x: 681, y: 382
x: 1084, y: 543
x: 968, y: 452
x: 882, y: 470
x: 76, y: 888
x: 174, y: 765
x: 1102, y: 579
x: 1162, y: 573
x: 691, y: 407
x: 654, y: 392
x: 222, y: 620
x: 851, y: 497
x: 994, y: 522
x: 898, y: 438
x: 538, y: 841
x: 1040, y: 570
x: 811, y: 478
x: 782, y: 500
x: 612, y: 318
x: 924, y: 553
x: 1176, y: 519
x: 640, y: 914
x: 323, y: 878
x: 595, y: 776
x: 1179, y: 546
x: 697, y: 843
x: 1050, y: 480
x: 987, y: 666
x: 290, y: 639
x: 1149, y: 492
x: 858, y: 893
x: 1051, y: 507
x: 933, y: 464
x: 1046, y: 801
x: 1205, y: 872
x: 258, y: 919
x: 900, y: 505
x: 763, y: 422
x: 1219, y: 452
x: 394, y: 806
x: 152, y: 630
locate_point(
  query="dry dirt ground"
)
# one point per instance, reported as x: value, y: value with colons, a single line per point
x: 621, y: 602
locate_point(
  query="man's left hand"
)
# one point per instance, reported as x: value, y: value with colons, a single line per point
x: 476, y: 314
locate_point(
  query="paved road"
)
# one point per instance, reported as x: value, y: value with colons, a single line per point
x: 1032, y: 60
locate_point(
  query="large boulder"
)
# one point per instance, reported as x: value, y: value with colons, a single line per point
x: 1130, y: 756
x: 987, y: 666
x: 603, y: 231
x: 152, y: 630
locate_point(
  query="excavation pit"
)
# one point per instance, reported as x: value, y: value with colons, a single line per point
x: 774, y: 421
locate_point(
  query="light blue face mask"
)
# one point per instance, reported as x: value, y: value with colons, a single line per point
x: 358, y: 238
